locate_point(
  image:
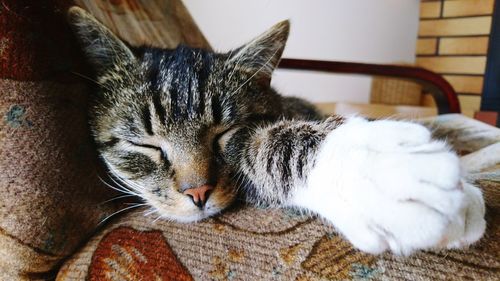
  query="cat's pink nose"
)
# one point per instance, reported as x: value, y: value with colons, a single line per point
x: 199, y: 194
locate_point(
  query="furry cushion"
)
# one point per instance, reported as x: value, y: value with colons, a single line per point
x: 51, y: 195
x: 255, y: 244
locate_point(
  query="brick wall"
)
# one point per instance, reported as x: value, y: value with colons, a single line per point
x: 453, y: 41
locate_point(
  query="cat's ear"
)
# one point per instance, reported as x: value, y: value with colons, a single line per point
x: 102, y: 48
x: 261, y: 55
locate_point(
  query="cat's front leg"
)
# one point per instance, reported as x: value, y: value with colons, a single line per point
x: 386, y: 185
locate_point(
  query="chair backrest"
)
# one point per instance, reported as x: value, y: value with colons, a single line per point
x: 157, y: 23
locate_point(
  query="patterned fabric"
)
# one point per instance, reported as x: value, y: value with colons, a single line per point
x: 47, y: 171
x: 229, y: 249
x: 143, y: 255
x: 51, y: 194
x: 247, y: 243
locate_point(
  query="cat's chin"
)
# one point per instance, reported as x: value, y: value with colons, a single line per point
x: 184, y: 211
x: 189, y: 216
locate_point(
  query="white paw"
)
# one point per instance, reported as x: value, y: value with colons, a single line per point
x: 386, y: 185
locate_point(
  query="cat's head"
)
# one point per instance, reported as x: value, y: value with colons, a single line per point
x: 162, y: 117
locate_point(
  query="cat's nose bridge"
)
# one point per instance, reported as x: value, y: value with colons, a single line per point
x: 193, y: 168
x: 190, y: 183
x: 191, y: 174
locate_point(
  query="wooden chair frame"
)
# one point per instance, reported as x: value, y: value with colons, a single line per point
x: 443, y: 93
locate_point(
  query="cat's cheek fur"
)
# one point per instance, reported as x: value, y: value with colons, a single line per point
x: 386, y: 185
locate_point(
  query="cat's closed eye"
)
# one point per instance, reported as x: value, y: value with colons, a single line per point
x: 220, y: 140
x: 162, y: 152
x: 216, y: 145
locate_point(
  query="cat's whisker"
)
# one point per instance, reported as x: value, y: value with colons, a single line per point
x: 236, y: 64
x: 91, y: 80
x: 86, y: 77
x: 136, y: 189
x: 235, y: 178
x: 121, y: 211
x: 229, y: 55
x: 131, y: 203
x: 126, y: 188
x: 133, y: 187
x: 241, y: 180
x: 121, y: 182
x: 155, y: 220
x: 116, y: 198
x: 122, y: 190
x: 150, y: 211
x: 138, y: 204
x: 238, y: 181
x: 243, y: 183
x: 128, y: 184
x: 233, y: 71
x: 256, y: 72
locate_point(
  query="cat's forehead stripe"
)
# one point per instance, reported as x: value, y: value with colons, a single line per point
x: 159, y: 109
x: 180, y: 76
x: 216, y: 109
x: 146, y: 117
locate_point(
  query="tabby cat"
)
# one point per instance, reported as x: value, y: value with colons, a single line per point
x: 189, y: 131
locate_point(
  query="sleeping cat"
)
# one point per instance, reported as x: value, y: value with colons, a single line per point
x: 190, y: 130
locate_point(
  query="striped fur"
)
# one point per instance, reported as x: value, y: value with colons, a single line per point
x: 275, y: 159
x: 168, y: 120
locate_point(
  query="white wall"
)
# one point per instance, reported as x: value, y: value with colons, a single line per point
x: 378, y: 31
